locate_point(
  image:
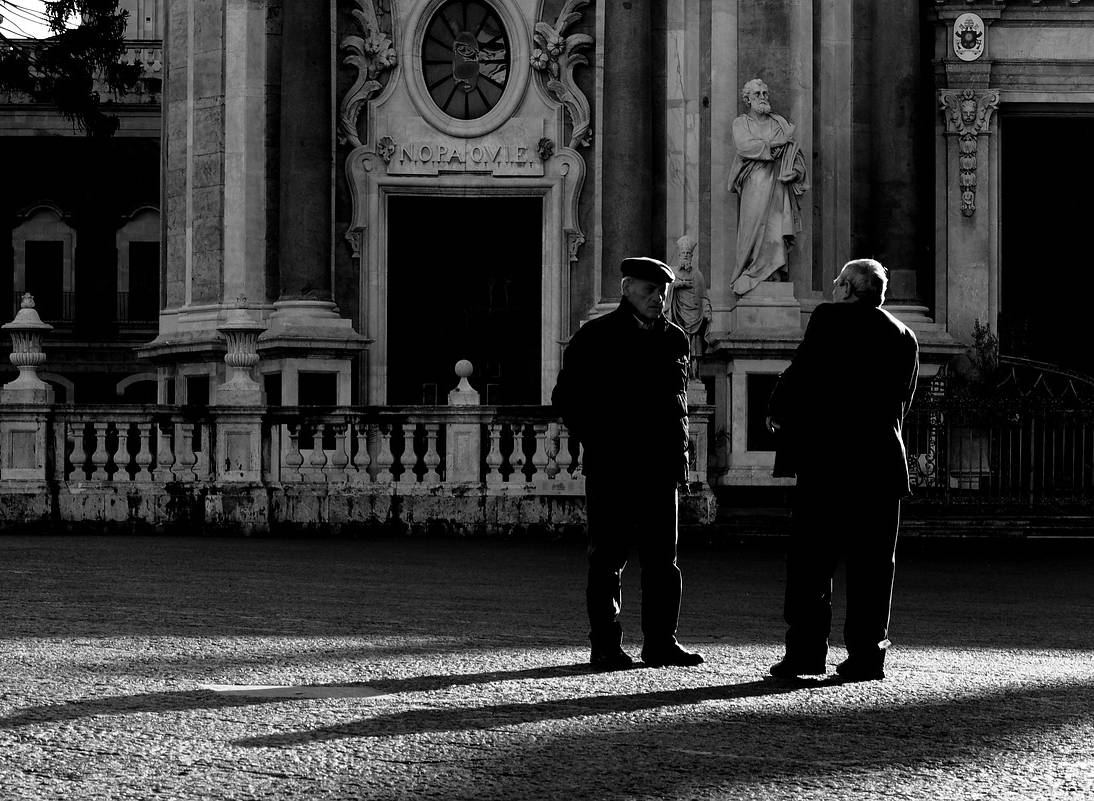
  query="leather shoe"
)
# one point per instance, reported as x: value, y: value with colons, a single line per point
x: 673, y: 655
x: 617, y: 659
x: 787, y: 668
x: 860, y: 670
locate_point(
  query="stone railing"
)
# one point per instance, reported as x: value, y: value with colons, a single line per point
x: 243, y: 466
x: 466, y: 467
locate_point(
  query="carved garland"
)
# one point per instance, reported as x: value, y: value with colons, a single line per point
x: 968, y: 114
x: 556, y: 56
x: 372, y: 55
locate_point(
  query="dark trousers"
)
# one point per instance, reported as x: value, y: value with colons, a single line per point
x: 861, y: 527
x: 641, y: 516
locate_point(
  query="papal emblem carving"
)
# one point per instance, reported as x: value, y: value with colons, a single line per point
x: 968, y: 37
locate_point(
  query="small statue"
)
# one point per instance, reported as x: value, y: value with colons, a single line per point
x: 768, y: 174
x: 688, y: 303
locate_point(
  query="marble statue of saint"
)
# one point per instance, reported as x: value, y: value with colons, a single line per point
x: 688, y: 303
x: 768, y: 174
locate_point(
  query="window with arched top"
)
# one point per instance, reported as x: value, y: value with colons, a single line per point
x: 138, y: 243
x: 44, y: 246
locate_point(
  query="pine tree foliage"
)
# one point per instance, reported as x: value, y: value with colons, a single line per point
x: 69, y: 68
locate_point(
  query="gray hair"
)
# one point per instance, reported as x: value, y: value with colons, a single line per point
x: 868, y: 280
x: 750, y: 87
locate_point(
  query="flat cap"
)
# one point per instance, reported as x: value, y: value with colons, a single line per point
x: 647, y: 269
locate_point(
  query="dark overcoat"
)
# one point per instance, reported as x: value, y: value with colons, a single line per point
x: 841, y: 403
x: 622, y: 391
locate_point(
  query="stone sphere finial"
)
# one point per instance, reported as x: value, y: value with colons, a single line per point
x: 27, y: 302
x: 464, y: 394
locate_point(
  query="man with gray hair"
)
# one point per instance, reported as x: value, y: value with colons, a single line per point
x: 837, y: 411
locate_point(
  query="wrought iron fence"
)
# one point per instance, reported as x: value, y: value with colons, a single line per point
x: 1023, y: 439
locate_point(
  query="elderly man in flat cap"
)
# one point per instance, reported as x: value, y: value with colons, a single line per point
x: 622, y: 393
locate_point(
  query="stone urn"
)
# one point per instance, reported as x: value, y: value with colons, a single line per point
x: 26, y: 354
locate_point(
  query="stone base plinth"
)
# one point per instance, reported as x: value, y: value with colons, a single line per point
x: 770, y: 307
x: 311, y: 326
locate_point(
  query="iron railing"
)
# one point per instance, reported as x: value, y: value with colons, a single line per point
x: 1024, y: 439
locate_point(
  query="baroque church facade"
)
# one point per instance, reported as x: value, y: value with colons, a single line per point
x: 373, y: 190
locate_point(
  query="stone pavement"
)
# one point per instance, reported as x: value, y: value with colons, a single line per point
x: 138, y: 668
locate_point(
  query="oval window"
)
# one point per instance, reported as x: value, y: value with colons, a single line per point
x: 465, y: 59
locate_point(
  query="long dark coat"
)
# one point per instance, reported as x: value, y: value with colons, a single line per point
x: 622, y: 391
x: 841, y: 403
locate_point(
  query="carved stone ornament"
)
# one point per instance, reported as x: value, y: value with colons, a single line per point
x: 372, y: 55
x: 968, y: 37
x: 545, y: 148
x: 968, y: 115
x: 385, y: 148
x: 556, y: 55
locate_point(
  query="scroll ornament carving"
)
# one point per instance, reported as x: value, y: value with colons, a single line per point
x: 968, y: 114
x: 555, y: 55
x: 372, y: 55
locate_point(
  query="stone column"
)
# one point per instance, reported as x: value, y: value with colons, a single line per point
x: 623, y: 141
x: 305, y: 323
x: 214, y: 196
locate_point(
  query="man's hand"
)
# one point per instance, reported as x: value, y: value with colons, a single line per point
x: 773, y: 425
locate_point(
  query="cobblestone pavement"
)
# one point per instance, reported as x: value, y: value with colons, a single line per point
x: 137, y: 668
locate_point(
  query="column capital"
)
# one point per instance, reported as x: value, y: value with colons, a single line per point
x: 968, y: 111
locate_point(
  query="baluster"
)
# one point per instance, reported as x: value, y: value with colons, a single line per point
x: 432, y: 458
x: 99, y: 456
x: 121, y: 455
x: 516, y: 457
x: 565, y: 458
x: 361, y: 459
x: 385, y: 460
x: 201, y: 458
x: 339, y: 458
x: 165, y: 455
x: 493, y: 457
x: 551, y: 448
x: 317, y: 460
x: 79, y: 455
x: 409, y: 459
x: 185, y: 459
x: 292, y: 460
x: 539, y: 455
x: 144, y: 455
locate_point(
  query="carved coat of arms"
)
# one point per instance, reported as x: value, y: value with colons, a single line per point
x: 968, y: 37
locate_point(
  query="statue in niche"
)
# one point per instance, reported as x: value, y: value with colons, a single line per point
x: 768, y: 175
x: 688, y: 303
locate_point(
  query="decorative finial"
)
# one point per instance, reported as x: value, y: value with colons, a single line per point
x: 27, y: 302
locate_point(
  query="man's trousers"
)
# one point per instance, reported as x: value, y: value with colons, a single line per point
x: 861, y: 527
x: 621, y: 516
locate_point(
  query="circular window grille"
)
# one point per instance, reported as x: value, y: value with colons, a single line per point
x: 465, y: 59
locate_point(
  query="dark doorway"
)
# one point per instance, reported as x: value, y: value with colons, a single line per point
x: 464, y: 283
x: 1046, y: 276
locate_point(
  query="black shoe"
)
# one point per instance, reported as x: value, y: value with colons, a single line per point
x: 673, y: 655
x: 616, y: 659
x: 787, y: 668
x: 860, y: 670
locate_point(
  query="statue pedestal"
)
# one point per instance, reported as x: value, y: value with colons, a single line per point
x: 770, y: 307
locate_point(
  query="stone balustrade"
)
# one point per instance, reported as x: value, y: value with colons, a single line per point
x: 464, y: 468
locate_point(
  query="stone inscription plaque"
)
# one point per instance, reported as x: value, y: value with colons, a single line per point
x: 413, y: 147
